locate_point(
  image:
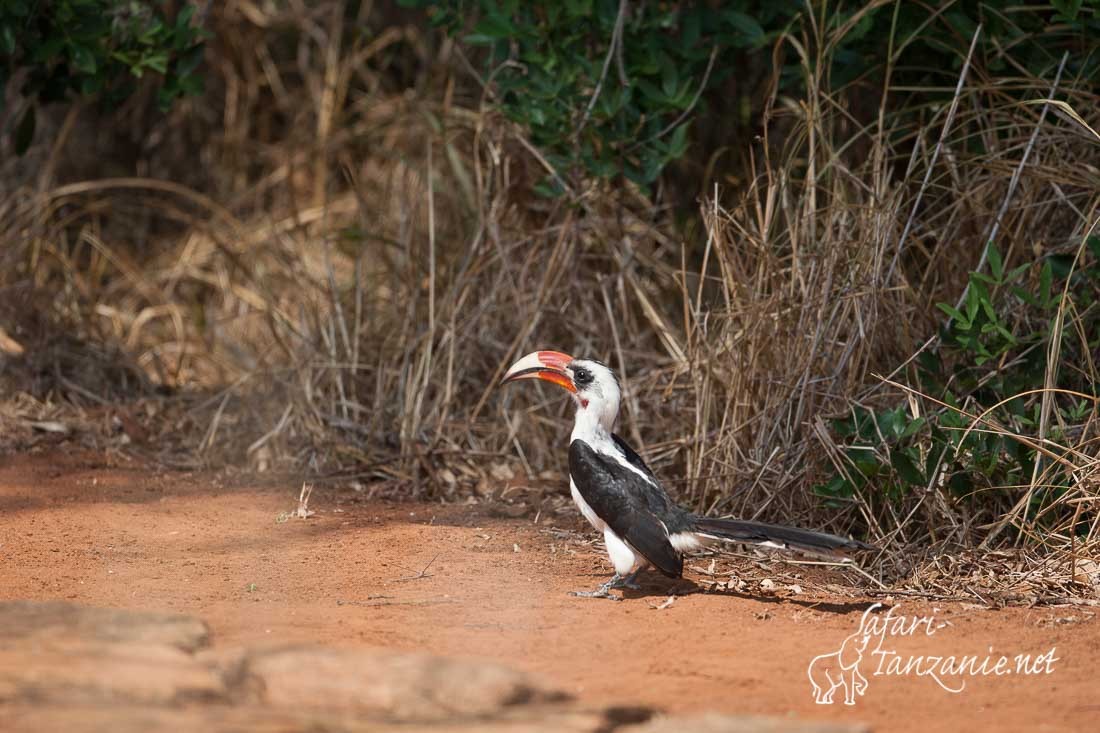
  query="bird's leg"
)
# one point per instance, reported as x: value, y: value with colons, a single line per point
x: 617, y: 582
x: 604, y: 591
x: 628, y: 581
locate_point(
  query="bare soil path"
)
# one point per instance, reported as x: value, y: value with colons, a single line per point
x: 456, y: 580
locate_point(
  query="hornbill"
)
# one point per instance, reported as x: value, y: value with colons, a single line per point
x: 622, y: 498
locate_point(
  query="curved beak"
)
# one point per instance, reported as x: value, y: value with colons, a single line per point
x: 548, y: 366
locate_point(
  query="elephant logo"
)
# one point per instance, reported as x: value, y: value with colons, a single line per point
x: 828, y: 672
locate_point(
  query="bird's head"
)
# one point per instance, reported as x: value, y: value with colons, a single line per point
x: 593, y: 386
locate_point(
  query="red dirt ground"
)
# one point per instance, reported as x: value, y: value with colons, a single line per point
x: 116, y: 534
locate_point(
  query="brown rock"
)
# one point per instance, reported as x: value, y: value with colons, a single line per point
x: 397, y: 686
x: 255, y: 719
x: 715, y: 723
x: 73, y: 671
x: 63, y: 653
x: 24, y: 620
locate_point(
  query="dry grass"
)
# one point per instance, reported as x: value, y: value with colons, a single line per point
x: 328, y: 260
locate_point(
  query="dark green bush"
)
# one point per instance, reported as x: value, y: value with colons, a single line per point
x: 992, y: 355
x: 598, y: 106
x: 95, y: 47
x: 546, y: 61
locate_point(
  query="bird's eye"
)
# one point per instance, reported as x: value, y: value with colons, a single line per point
x: 582, y: 376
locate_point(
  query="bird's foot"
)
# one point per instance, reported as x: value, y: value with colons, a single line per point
x: 600, y: 592
x: 627, y: 582
x: 604, y: 591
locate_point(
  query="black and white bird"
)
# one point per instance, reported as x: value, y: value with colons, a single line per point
x: 618, y: 494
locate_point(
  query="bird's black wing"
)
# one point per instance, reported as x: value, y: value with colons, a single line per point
x: 629, y: 504
x: 656, y: 500
x: 632, y: 456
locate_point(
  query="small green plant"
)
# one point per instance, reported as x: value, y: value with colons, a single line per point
x: 95, y: 47
x: 991, y: 361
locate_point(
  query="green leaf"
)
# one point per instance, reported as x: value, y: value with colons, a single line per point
x: 48, y: 49
x: 891, y: 423
x: 935, y: 455
x: 24, y: 133
x: 692, y: 28
x: 480, y: 39
x: 1093, y: 244
x: 1025, y: 296
x: 987, y: 306
x: 913, y: 427
x: 746, y: 25
x: 838, y: 486
x: 579, y: 8
x: 184, y: 17
x: 982, y: 277
x: 677, y: 144
x: 7, y: 40
x: 548, y: 188
x: 1045, y: 276
x: 1067, y: 8
x: 649, y: 91
x: 905, y: 467
x: 1006, y: 334
x: 864, y: 459
x: 960, y: 484
x: 494, y: 27
x: 981, y: 296
x: 670, y: 77
x: 157, y: 62
x: 961, y: 23
x: 1061, y: 264
x: 953, y: 313
x: 844, y: 428
x: 1017, y: 271
x: 996, y: 264
x: 89, y: 85
x: 973, y: 302
x: 189, y: 60
x: 83, y: 59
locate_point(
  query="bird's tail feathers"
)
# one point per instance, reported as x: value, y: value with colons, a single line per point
x: 774, y: 535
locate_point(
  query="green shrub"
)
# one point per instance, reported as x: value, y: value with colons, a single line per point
x: 991, y: 360
x: 597, y: 106
x: 546, y: 61
x: 95, y: 47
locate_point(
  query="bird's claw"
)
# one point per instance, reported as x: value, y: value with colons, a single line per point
x: 604, y: 591
x: 624, y: 581
x: 601, y: 592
